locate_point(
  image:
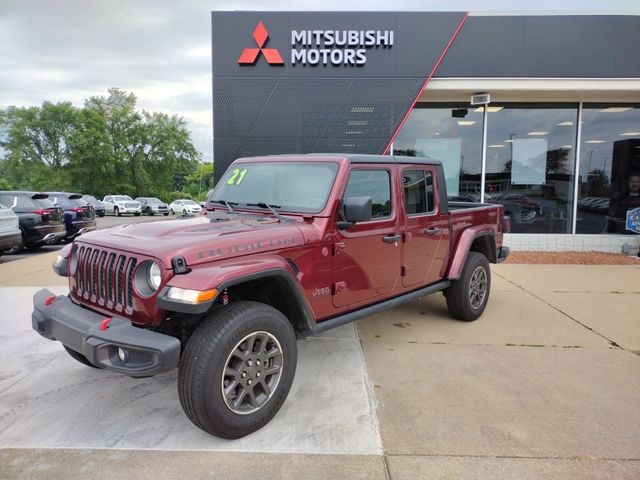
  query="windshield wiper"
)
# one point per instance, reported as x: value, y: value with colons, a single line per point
x: 270, y: 206
x: 226, y: 204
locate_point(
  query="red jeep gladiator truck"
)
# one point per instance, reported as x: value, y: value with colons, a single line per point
x: 291, y: 246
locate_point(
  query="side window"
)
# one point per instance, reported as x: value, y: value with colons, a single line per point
x: 375, y: 184
x: 107, y: 199
x: 418, y: 191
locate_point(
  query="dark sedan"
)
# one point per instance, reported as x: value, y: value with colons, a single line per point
x: 41, y: 222
x: 79, y: 216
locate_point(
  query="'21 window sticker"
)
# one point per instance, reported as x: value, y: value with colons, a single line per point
x: 237, y: 176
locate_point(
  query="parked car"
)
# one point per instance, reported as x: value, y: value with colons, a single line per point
x: 153, y: 205
x: 223, y: 298
x: 119, y: 204
x: 97, y: 205
x: 10, y: 235
x: 184, y: 207
x: 601, y: 206
x: 41, y: 222
x: 79, y: 216
x: 588, y: 203
x: 519, y: 207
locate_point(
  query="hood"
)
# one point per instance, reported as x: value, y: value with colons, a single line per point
x: 200, y: 239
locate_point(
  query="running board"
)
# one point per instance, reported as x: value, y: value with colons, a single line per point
x: 378, y: 307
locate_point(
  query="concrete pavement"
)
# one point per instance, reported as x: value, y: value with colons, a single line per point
x: 544, y: 385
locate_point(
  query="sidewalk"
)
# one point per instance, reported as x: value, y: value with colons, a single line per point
x: 545, y: 385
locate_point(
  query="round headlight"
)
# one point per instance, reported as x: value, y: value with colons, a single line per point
x: 154, y: 277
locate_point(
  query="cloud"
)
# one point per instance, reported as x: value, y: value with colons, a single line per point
x: 160, y: 50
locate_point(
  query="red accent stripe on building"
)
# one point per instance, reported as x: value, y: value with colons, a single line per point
x: 426, y: 82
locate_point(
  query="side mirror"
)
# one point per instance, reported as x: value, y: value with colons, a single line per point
x: 355, y: 210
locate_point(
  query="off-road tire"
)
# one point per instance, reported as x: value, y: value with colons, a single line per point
x: 459, y: 293
x: 101, y: 214
x: 207, y: 353
x: 79, y: 357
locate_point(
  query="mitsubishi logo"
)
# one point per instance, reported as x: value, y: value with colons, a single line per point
x: 250, y: 55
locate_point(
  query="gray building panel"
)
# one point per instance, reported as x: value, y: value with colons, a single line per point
x: 557, y: 46
x: 487, y: 47
x: 567, y: 46
x: 627, y: 49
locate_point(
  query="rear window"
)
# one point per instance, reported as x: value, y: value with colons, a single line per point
x: 44, y: 202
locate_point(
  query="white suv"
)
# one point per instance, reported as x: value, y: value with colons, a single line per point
x: 119, y: 204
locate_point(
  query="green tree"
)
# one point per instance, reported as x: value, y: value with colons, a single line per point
x: 107, y: 146
x: 35, y: 144
x: 152, y: 152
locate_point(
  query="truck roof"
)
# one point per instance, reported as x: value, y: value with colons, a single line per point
x: 355, y: 158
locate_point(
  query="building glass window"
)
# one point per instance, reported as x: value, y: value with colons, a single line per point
x: 530, y: 164
x: 451, y: 133
x: 609, y: 175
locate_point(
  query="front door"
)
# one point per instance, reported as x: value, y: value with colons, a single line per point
x: 367, y: 256
x: 425, y: 228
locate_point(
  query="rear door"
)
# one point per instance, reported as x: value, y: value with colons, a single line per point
x: 367, y: 256
x: 108, y: 204
x: 425, y: 227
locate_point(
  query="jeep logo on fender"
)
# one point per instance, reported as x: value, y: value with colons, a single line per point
x: 320, y: 47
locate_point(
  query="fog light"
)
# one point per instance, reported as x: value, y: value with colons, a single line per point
x: 123, y: 355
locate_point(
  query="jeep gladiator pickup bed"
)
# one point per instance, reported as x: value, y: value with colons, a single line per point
x: 291, y: 246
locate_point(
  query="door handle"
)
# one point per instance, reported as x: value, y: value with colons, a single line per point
x: 391, y: 238
x: 432, y: 231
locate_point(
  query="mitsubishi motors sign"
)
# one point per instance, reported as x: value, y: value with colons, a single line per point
x: 319, y: 47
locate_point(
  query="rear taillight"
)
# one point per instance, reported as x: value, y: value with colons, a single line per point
x: 41, y: 212
x: 77, y: 210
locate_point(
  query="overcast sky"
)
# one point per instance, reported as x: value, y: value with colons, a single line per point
x: 160, y: 50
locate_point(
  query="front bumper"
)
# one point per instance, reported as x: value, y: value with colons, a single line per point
x: 10, y: 240
x: 130, y: 210
x: 146, y: 352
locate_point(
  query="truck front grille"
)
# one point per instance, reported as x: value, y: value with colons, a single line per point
x: 105, y: 278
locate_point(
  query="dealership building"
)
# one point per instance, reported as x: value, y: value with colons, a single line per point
x: 540, y: 113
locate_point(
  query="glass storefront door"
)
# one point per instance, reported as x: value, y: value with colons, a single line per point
x: 609, y: 175
x: 530, y: 164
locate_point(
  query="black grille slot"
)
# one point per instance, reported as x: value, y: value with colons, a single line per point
x: 119, y: 283
x: 101, y: 277
x: 130, y: 269
x: 79, y: 268
x: 93, y: 288
x: 86, y: 273
x: 109, y: 273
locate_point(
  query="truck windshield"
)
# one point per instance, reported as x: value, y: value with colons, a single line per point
x: 293, y: 186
